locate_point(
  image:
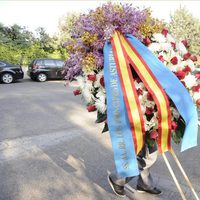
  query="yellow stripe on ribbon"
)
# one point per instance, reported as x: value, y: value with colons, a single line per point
x: 130, y: 94
x: 156, y: 91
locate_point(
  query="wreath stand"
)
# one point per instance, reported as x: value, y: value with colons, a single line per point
x: 183, y: 173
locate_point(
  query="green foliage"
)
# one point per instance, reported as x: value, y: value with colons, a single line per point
x: 66, y: 24
x: 178, y: 133
x: 20, y: 46
x: 184, y: 26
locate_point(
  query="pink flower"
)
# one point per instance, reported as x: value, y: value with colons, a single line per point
x: 174, y: 60
x: 197, y: 76
x: 91, y: 77
x: 139, y: 91
x: 173, y: 45
x: 164, y: 32
x: 198, y: 102
x: 187, y: 69
x: 185, y: 43
x: 193, y: 58
x: 149, y: 110
x: 76, y: 92
x: 149, y: 97
x: 147, y: 41
x: 161, y: 58
x: 138, y: 80
x: 91, y: 108
x: 180, y: 74
x: 196, y: 88
x: 186, y: 56
x: 102, y: 81
x: 154, y: 135
x: 174, y: 125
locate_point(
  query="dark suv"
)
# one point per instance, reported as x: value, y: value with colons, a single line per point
x: 42, y: 69
x: 10, y: 72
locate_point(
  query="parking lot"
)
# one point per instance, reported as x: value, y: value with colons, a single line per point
x: 51, y: 149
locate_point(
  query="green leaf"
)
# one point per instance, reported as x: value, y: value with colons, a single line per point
x: 101, y: 117
x: 176, y: 136
x: 105, y: 129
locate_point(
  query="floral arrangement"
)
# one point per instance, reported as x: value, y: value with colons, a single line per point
x: 85, y: 62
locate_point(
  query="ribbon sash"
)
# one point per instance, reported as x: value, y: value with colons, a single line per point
x: 125, y: 121
x: 130, y: 95
x: 118, y: 123
x: 155, y: 89
x: 173, y: 88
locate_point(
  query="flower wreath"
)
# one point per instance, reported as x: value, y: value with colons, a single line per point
x: 85, y: 62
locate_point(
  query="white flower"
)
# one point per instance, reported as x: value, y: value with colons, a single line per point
x: 170, y: 38
x: 166, y: 46
x: 191, y: 64
x: 100, y: 100
x: 196, y: 96
x: 153, y: 47
x: 138, y: 85
x: 153, y: 123
x: 175, y: 113
x: 181, y: 48
x: 158, y: 37
x: 80, y: 81
x: 87, y: 95
x: 98, y: 77
x: 190, y: 80
x: 100, y: 105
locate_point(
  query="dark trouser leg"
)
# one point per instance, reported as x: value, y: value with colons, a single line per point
x: 145, y: 179
x: 146, y: 158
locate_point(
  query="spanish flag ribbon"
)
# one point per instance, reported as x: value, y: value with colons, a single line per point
x: 152, y: 85
x: 125, y: 119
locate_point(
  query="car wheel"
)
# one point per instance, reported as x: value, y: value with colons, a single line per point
x: 7, y: 78
x: 41, y: 77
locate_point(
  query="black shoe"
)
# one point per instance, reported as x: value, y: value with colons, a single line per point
x: 154, y: 191
x: 117, y: 189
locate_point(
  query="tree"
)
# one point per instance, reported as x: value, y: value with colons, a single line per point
x: 66, y: 24
x: 184, y: 25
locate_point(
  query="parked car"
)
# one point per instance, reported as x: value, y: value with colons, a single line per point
x: 10, y: 72
x: 42, y: 69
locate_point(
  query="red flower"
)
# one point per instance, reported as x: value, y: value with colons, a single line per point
x: 91, y: 77
x: 174, y: 125
x: 164, y: 32
x: 147, y: 41
x: 139, y: 91
x: 161, y: 58
x: 149, y: 110
x: 102, y: 81
x: 149, y: 97
x: 187, y: 69
x: 91, y: 108
x: 193, y: 58
x: 138, y: 80
x: 196, y: 88
x: 173, y: 45
x: 180, y: 74
x: 174, y: 60
x: 186, y: 56
x: 185, y: 43
x: 198, y: 102
x: 197, y: 76
x: 76, y: 92
x: 154, y: 135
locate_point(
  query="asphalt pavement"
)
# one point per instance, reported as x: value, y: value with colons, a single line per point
x: 51, y: 149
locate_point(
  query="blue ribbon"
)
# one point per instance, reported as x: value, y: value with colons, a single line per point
x: 175, y: 90
x: 118, y: 123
